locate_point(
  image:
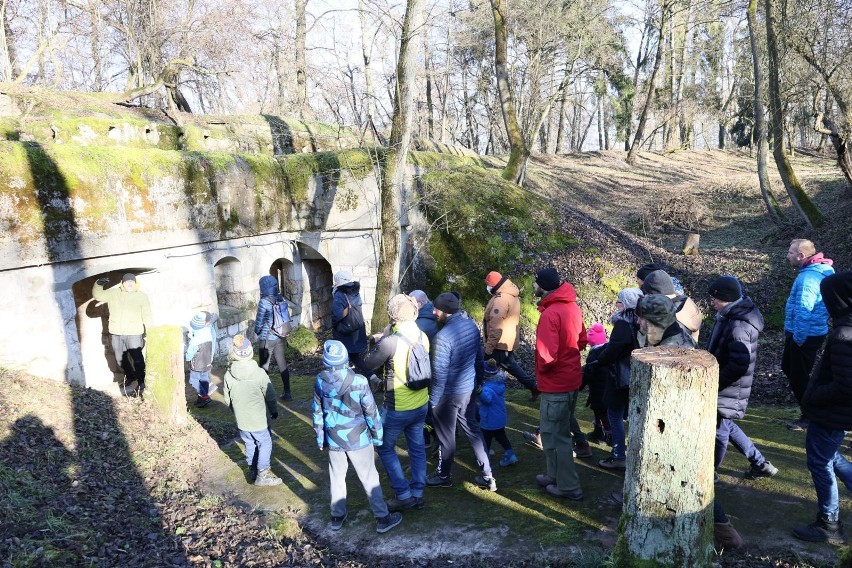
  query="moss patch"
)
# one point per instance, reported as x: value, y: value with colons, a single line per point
x: 302, y: 341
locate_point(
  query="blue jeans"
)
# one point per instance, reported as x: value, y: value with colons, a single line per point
x: 258, y: 448
x: 616, y: 428
x: 409, y: 422
x: 727, y: 430
x: 826, y: 464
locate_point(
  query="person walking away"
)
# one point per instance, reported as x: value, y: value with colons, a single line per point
x: 596, y: 377
x: 827, y: 403
x: 615, y: 358
x: 252, y: 398
x: 347, y: 318
x: 348, y: 425
x: 129, y: 320
x: 734, y: 342
x: 560, y: 336
x: 456, y: 369
x: 272, y: 347
x: 426, y: 320
x: 404, y: 409
x: 686, y: 311
x: 501, y: 328
x: 805, y: 319
x: 200, y: 351
x: 493, y: 417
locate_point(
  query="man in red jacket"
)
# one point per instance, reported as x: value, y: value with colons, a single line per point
x: 559, y: 338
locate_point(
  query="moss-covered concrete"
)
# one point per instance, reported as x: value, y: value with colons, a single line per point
x: 165, y: 381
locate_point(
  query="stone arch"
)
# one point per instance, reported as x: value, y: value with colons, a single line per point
x: 101, y: 371
x: 229, y: 282
x: 290, y: 284
x: 316, y: 283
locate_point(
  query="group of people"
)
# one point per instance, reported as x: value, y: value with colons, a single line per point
x: 465, y: 375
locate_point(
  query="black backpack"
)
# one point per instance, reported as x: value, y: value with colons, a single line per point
x: 352, y: 320
x: 419, y: 367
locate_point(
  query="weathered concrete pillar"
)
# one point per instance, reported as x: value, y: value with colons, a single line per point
x: 164, y: 380
x: 668, y: 488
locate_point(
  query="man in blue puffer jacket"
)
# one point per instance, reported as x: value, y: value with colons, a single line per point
x: 805, y: 319
x: 456, y: 370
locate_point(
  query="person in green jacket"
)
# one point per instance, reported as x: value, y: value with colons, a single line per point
x: 251, y: 397
x: 129, y: 319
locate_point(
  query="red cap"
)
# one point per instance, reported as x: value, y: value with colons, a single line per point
x: 493, y: 278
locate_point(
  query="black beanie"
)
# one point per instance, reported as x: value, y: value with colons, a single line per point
x: 658, y: 282
x: 548, y: 279
x: 726, y: 289
x: 837, y: 293
x: 448, y: 302
x: 647, y: 269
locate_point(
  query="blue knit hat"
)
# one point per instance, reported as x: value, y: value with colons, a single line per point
x: 334, y: 353
x: 200, y: 320
x: 490, y: 369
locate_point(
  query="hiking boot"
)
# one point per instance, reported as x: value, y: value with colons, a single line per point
x: 612, y: 463
x: 385, y: 524
x: 582, y: 450
x: 821, y: 530
x: 395, y: 505
x: 544, y: 480
x: 438, y: 481
x: 509, y: 458
x: 337, y: 522
x: 252, y: 474
x: 487, y: 483
x: 798, y: 425
x: 265, y: 478
x: 533, y: 439
x: 764, y: 470
x: 202, y: 401
x: 596, y: 436
x: 725, y: 536
x: 572, y: 495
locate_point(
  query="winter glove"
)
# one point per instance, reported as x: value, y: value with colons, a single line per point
x: 274, y: 415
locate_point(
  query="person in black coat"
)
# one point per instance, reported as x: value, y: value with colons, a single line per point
x: 827, y: 402
x: 733, y: 342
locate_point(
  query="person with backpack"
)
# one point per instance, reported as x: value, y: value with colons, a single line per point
x: 686, y: 310
x: 401, y: 356
x: 200, y: 351
x: 348, y: 425
x: 271, y: 344
x: 347, y: 318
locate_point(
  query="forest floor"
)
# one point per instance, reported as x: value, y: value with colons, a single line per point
x: 86, y: 480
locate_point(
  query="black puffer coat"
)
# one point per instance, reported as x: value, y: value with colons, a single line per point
x: 616, y: 356
x: 734, y: 345
x: 828, y: 398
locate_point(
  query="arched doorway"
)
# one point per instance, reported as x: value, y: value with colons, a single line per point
x: 228, y: 279
x: 316, y: 283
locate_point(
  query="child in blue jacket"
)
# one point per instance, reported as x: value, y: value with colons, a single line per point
x: 492, y: 411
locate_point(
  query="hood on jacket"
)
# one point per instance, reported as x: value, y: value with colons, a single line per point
x: 243, y: 370
x: 427, y: 311
x: 818, y: 258
x: 745, y: 310
x: 268, y: 286
x: 837, y: 294
x: 350, y: 288
x: 507, y: 287
x: 564, y: 294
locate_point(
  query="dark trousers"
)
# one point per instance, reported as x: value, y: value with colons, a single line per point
x: 499, y: 435
x: 128, y: 355
x: 797, y: 362
x: 506, y: 359
x: 458, y: 409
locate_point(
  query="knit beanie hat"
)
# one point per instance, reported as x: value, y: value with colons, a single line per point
x: 402, y: 308
x: 630, y: 297
x: 493, y: 278
x: 490, y: 369
x: 837, y: 293
x: 241, y: 350
x: 342, y: 277
x: 200, y: 320
x: 726, y: 289
x: 548, y: 279
x: 448, y: 302
x: 658, y: 282
x: 647, y: 269
x: 657, y: 309
x: 334, y: 353
x: 128, y: 276
x: 596, y: 335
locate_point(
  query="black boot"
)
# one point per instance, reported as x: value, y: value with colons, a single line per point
x: 285, y: 378
x: 821, y: 530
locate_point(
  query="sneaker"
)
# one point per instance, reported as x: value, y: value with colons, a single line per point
x: 487, y: 483
x: 533, y: 439
x: 821, y: 530
x: 764, y: 470
x: 582, y: 450
x: 572, y: 495
x: 337, y: 522
x: 544, y: 480
x: 286, y: 396
x: 508, y: 459
x: 726, y: 537
x: 265, y: 478
x: 202, y: 401
x: 612, y: 463
x: 395, y: 505
x: 438, y: 481
x: 385, y: 524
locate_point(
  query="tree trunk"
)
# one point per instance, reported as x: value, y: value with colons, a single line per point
x: 668, y: 486
x: 396, y: 159
x: 365, y: 53
x: 842, y: 145
x: 445, y: 91
x: 759, y: 129
x: 6, y: 43
x: 649, y: 99
x: 302, y: 106
x: 801, y: 202
x: 518, y: 151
